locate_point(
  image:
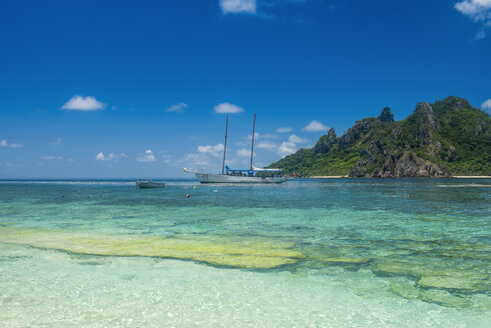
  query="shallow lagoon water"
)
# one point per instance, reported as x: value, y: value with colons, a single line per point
x: 315, y: 253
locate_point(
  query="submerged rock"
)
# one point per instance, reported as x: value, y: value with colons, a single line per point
x: 345, y: 260
x: 444, y: 298
x: 405, y: 269
x: 409, y: 291
x: 405, y: 289
x: 471, y: 282
x: 244, y: 253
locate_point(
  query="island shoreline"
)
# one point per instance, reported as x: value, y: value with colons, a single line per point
x: 346, y: 176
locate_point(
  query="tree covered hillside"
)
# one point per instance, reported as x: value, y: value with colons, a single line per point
x: 449, y: 137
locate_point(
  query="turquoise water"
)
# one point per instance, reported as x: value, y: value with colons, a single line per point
x: 306, y: 253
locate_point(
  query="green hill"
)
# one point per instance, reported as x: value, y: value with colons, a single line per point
x: 449, y: 137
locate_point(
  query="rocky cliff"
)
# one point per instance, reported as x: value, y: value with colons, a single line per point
x: 446, y: 138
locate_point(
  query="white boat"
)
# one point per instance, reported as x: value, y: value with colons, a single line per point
x: 251, y: 175
x: 242, y: 176
x: 147, y: 183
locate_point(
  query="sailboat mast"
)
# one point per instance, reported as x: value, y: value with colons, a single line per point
x: 253, y: 131
x: 225, y: 146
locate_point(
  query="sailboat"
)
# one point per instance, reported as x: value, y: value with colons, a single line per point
x: 251, y: 175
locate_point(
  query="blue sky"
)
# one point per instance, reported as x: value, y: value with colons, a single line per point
x: 142, y: 88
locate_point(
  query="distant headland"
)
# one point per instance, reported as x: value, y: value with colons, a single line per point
x: 447, y: 138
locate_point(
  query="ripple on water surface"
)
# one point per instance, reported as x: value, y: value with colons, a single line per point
x: 369, y: 244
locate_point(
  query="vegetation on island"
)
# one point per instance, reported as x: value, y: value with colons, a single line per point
x: 449, y: 137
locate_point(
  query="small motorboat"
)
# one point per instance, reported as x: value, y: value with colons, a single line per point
x: 147, y: 183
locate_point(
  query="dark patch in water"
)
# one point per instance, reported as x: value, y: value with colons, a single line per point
x: 7, y: 258
x: 128, y: 277
x: 92, y: 263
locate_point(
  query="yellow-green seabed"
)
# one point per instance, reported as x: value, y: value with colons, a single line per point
x: 251, y: 253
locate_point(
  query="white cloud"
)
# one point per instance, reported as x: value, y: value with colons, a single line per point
x: 266, y: 8
x: 20, y: 165
x: 480, y: 35
x: 111, y: 157
x: 296, y: 139
x: 51, y: 158
x: 212, y: 150
x: 479, y: 11
x: 315, y: 126
x: 257, y: 136
x: 88, y: 103
x: 486, y: 105
x: 101, y: 157
x: 287, y: 148
x: 290, y: 146
x: 57, y: 142
x: 248, y: 137
x: 266, y: 145
x: 244, y: 152
x: 4, y: 143
x: 165, y: 158
x: 179, y: 108
x: 284, y: 129
x: 238, y: 6
x: 195, y: 159
x: 147, y: 156
x: 228, y: 108
x: 208, y: 157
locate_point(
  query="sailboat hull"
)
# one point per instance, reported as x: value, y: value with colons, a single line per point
x: 225, y: 178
